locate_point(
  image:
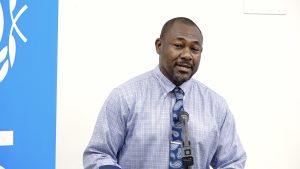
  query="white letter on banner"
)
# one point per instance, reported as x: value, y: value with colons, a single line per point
x: 6, y: 138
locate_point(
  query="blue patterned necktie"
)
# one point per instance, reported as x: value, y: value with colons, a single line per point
x: 176, y: 142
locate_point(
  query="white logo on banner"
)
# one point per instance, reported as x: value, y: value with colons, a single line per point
x: 6, y: 137
x: 9, y: 50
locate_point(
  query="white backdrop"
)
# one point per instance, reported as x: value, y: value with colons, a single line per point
x: 251, y: 60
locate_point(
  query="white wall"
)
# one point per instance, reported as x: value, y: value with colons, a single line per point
x: 251, y: 60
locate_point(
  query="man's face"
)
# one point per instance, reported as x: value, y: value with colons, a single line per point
x: 179, y: 52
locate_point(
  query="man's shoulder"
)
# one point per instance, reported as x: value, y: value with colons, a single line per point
x: 138, y: 81
x: 136, y: 84
x: 206, y: 91
x: 210, y: 99
x: 129, y: 89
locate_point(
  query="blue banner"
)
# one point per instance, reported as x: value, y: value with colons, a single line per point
x: 28, y: 71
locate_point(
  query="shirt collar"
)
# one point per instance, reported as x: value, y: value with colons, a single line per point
x: 167, y: 85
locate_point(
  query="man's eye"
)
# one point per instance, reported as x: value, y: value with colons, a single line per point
x: 178, y: 46
x: 196, y: 49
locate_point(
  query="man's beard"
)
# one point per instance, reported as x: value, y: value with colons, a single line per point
x: 180, y: 78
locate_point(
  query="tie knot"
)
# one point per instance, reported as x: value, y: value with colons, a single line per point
x: 179, y: 93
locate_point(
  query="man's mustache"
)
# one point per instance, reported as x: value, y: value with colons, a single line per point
x: 184, y: 64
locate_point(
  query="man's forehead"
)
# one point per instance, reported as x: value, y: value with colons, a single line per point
x: 190, y: 36
x: 181, y: 30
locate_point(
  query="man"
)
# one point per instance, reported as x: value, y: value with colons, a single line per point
x: 139, y: 125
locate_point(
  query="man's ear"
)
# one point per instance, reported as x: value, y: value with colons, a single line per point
x: 158, y: 45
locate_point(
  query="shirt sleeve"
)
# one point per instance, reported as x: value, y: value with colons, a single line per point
x: 108, y: 136
x: 230, y: 153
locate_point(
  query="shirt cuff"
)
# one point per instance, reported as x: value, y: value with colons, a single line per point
x: 109, y: 167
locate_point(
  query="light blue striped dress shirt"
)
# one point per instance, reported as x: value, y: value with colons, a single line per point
x: 133, y: 129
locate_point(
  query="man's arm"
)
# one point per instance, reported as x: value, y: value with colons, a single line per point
x: 230, y: 153
x: 108, y: 135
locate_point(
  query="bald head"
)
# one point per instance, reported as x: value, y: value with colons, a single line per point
x: 170, y: 23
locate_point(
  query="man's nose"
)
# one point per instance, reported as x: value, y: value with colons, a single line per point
x: 186, y: 54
